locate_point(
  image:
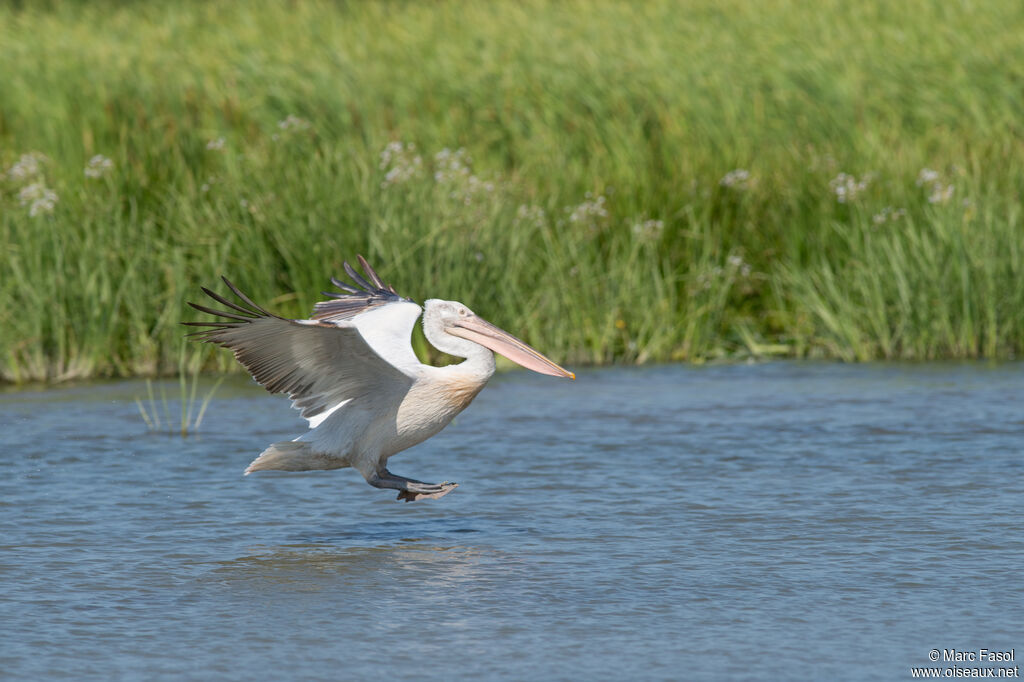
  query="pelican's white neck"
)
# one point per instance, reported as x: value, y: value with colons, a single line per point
x: 479, y: 360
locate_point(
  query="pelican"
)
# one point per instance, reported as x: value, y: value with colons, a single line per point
x: 352, y: 372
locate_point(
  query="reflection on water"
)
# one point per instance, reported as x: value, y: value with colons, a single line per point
x: 657, y: 523
x: 320, y: 566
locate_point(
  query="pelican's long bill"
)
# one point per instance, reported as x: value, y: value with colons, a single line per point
x: 500, y: 341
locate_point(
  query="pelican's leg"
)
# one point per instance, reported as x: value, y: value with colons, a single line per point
x: 409, y: 489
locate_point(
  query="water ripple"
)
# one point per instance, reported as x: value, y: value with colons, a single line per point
x: 624, y: 526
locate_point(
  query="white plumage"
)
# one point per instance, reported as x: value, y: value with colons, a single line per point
x: 352, y: 372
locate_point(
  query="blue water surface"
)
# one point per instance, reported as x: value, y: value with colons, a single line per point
x: 764, y: 522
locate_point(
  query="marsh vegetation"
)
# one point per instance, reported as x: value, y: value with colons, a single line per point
x: 615, y: 182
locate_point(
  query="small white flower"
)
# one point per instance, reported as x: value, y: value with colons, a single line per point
x: 846, y: 187
x: 292, y: 122
x: 27, y: 167
x: 927, y: 176
x: 217, y: 144
x: 98, y: 166
x: 454, y: 169
x: 390, y: 151
x: 400, y: 162
x: 591, y: 211
x: 737, y: 179
x: 41, y: 206
x: 31, y: 193
x: 451, y: 167
x: 39, y: 199
x: 940, y: 193
x: 887, y: 214
x: 737, y: 263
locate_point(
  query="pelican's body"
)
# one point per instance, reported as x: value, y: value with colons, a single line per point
x: 352, y: 371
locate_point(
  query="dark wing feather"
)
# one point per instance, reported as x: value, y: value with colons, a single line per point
x: 370, y: 292
x: 317, y: 364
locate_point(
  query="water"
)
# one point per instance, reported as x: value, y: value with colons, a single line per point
x: 781, y: 521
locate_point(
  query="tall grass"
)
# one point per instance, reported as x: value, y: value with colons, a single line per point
x: 593, y: 210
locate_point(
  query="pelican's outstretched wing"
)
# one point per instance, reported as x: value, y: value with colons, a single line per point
x: 318, y: 364
x: 384, y: 318
x: 356, y: 299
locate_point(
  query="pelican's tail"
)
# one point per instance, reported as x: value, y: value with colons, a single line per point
x: 294, y: 455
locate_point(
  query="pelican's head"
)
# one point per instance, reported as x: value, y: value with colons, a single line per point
x: 455, y: 319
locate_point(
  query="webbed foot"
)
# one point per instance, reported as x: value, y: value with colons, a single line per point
x: 427, y: 492
x: 409, y: 489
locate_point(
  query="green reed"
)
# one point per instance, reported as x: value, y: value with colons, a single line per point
x: 640, y: 182
x: 157, y: 416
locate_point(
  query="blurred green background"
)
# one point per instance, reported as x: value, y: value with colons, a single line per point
x: 613, y: 182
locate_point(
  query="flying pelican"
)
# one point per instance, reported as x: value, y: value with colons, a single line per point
x: 352, y: 372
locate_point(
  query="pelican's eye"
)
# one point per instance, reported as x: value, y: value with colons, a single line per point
x: 463, y: 312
